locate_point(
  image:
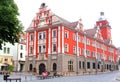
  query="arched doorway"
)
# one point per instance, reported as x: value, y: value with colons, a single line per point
x: 41, y: 68
x: 54, y: 66
x: 30, y: 67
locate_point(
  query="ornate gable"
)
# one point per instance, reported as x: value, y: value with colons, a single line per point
x: 98, y: 33
x: 79, y: 25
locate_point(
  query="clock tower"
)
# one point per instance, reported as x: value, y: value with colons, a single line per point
x: 104, y: 26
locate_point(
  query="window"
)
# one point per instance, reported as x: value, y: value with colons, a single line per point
x: 31, y: 37
x: 44, y: 48
x: 21, y: 55
x: 83, y: 64
x: 21, y: 47
x: 74, y: 37
x: 93, y: 65
x: 88, y: 42
x: 66, y: 47
x: 22, y: 40
x: 54, y: 48
x: 74, y: 50
x: 8, y: 50
x: 49, y: 21
x: 87, y: 53
x: 40, y: 35
x: 44, y: 35
x: 66, y: 34
x: 47, y: 14
x: 79, y: 64
x: 83, y: 40
x: 4, y: 44
x: 4, y: 50
x: 83, y: 51
x: 70, y: 65
x: 5, y: 59
x: 88, y: 65
x: 31, y: 50
x: 93, y: 54
x: 40, y: 49
x: 54, y: 33
x: 36, y: 24
x: 93, y: 43
x: 38, y: 17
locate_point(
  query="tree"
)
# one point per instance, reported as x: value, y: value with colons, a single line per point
x: 10, y: 26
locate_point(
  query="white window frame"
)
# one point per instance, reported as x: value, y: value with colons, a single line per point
x: 74, y: 50
x: 87, y: 52
x: 43, y: 35
x: 66, y: 47
x: 74, y: 37
x: 43, y: 49
x: 53, y: 47
x: 54, y: 36
x: 66, y: 34
x: 40, y: 34
x: 31, y: 37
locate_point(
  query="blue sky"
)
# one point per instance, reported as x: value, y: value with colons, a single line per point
x: 73, y: 10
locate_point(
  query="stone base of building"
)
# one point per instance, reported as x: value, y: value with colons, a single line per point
x: 68, y: 65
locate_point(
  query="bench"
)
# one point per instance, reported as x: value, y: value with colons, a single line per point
x: 10, y: 79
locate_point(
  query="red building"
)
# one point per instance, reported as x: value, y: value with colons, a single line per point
x: 55, y: 44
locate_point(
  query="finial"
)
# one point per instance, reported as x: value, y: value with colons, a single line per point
x: 101, y: 13
x: 43, y: 5
x: 80, y: 19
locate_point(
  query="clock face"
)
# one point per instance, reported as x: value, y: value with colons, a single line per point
x: 42, y: 23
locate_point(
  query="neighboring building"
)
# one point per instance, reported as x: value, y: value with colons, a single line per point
x: 55, y: 44
x: 6, y: 55
x: 19, y: 54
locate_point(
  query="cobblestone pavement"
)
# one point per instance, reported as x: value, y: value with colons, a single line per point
x: 106, y: 77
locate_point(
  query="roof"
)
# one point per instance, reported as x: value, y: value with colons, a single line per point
x: 91, y: 32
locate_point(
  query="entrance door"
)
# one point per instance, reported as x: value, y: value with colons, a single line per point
x: 21, y: 67
x: 30, y: 67
x: 41, y: 68
x: 54, y: 66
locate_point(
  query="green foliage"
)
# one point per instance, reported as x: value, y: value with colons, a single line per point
x: 10, y: 26
x: 10, y: 68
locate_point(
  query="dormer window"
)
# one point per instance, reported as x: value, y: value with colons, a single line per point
x: 49, y: 21
x: 37, y: 24
x: 39, y: 17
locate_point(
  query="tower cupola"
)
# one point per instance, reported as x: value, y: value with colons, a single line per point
x: 104, y: 26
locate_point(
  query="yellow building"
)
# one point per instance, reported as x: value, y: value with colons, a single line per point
x: 6, y: 55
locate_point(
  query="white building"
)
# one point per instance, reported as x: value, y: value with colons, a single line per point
x: 20, y: 52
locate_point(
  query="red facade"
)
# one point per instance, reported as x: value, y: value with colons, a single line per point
x: 61, y: 36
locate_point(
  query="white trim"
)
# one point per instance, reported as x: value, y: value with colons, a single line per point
x: 85, y: 46
x: 34, y: 43
x: 49, y: 40
x: 58, y: 39
x: 95, y: 49
x: 62, y: 39
x: 77, y: 43
x: 27, y: 45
